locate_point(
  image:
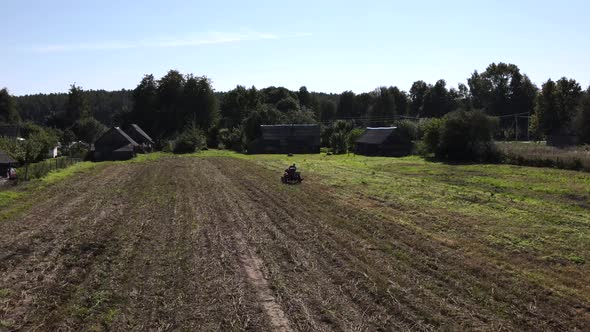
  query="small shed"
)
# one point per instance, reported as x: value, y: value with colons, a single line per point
x: 382, y: 141
x: 145, y: 142
x: 115, y: 144
x: 5, y: 163
x: 289, y: 138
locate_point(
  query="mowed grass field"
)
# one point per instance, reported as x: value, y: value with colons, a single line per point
x: 214, y: 241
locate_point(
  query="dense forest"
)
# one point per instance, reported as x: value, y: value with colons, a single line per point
x: 165, y: 107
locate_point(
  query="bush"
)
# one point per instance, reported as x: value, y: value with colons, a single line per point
x: 408, y: 130
x: 232, y: 139
x: 191, y: 140
x: 339, y: 142
x: 462, y: 136
x: 353, y: 135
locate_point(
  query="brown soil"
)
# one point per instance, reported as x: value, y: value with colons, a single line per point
x: 190, y: 244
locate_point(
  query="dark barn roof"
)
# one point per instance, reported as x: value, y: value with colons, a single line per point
x: 138, y: 135
x: 383, y: 141
x: 6, y: 159
x: 287, y: 138
x: 375, y: 135
x: 298, y: 131
x: 115, y: 144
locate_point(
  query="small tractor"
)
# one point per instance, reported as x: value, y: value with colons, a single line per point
x: 291, y: 176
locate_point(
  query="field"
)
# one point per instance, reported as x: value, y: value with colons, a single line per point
x: 214, y: 241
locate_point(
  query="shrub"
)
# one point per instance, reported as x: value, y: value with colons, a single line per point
x: 339, y: 142
x: 353, y: 135
x: 408, y: 130
x: 191, y: 140
x: 232, y: 139
x: 462, y: 136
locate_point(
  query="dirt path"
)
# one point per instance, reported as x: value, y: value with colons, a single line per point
x: 132, y: 248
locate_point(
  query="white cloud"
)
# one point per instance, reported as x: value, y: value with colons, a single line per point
x: 195, y: 40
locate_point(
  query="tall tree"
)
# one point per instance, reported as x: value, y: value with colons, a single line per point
x: 383, y: 111
x: 8, y: 110
x: 417, y: 93
x: 345, y: 107
x: 583, y: 118
x: 170, y: 98
x: 77, y: 106
x: 200, y: 104
x: 145, y: 99
x: 556, y: 105
x: 437, y: 101
x: 501, y: 89
x: 304, y: 97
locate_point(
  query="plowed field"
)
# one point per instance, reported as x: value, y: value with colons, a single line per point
x: 219, y: 244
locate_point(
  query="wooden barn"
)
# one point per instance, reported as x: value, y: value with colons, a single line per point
x: 291, y: 138
x: 382, y: 141
x: 115, y: 144
x: 5, y: 163
x: 146, y: 143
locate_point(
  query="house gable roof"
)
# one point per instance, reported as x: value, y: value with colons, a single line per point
x: 113, y: 139
x: 376, y: 135
x: 139, y: 134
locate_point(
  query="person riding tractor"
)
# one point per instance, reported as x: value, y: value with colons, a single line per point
x: 291, y: 175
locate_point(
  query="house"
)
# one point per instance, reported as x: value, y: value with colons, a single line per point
x: 290, y: 138
x: 53, y: 152
x: 5, y: 163
x: 383, y: 141
x: 145, y: 142
x: 115, y: 144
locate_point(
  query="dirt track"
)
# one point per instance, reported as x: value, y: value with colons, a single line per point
x: 187, y: 244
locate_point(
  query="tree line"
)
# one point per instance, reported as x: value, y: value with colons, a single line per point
x: 167, y: 106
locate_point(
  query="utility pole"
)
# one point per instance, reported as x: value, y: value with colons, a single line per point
x: 516, y: 126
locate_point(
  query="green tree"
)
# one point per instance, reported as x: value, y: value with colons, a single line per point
x: 170, y: 101
x: 327, y: 110
x: 417, y: 94
x: 8, y: 110
x: 200, y: 104
x: 345, y: 107
x: 88, y: 129
x: 583, y: 119
x: 501, y: 89
x: 556, y: 106
x: 383, y: 110
x: 77, y: 106
x: 237, y: 104
x: 304, y: 97
x: 145, y: 104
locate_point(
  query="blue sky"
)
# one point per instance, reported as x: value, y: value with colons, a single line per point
x: 328, y: 46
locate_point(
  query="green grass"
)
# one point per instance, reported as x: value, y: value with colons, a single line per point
x: 497, y: 211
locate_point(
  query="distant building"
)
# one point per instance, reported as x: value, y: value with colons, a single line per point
x: 145, y: 142
x: 53, y: 152
x: 382, y: 141
x: 115, y: 144
x: 10, y: 131
x: 291, y: 138
x: 6, y: 162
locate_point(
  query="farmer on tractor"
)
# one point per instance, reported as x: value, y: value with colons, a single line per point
x: 291, y: 175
